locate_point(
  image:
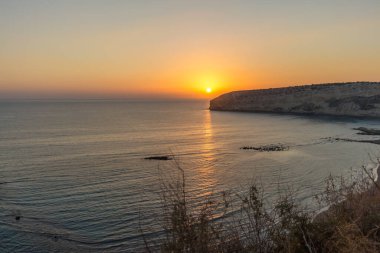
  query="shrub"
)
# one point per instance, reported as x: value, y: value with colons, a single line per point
x: 351, y: 224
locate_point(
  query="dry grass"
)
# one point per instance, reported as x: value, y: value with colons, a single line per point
x: 352, y: 223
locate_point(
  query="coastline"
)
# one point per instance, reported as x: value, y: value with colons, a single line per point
x: 357, y: 99
x: 374, y: 189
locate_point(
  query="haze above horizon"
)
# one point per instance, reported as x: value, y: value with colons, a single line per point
x: 182, y: 49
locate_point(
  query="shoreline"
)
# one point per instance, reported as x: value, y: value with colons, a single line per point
x: 323, y: 212
x: 304, y: 114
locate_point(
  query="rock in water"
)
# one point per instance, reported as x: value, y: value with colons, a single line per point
x: 367, y: 131
x: 164, y: 158
x: 345, y: 99
x: 268, y: 148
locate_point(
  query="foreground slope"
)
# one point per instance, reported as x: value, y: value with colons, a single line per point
x: 348, y: 99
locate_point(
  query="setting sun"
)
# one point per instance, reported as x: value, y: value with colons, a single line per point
x: 208, y: 90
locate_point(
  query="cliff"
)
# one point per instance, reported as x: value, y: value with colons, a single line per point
x: 349, y: 99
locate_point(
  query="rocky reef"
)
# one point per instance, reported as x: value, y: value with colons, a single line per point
x: 267, y: 148
x: 162, y: 158
x: 346, y: 99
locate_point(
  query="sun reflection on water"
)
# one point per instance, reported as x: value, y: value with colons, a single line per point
x: 206, y: 180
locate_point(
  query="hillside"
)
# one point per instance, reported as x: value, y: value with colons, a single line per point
x: 349, y: 99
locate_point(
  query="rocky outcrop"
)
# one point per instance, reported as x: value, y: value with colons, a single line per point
x: 349, y: 99
x: 367, y: 131
x: 267, y: 148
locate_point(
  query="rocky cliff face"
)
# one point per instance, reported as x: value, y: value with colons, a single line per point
x: 350, y: 99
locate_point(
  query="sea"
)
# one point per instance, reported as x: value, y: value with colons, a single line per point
x: 73, y: 177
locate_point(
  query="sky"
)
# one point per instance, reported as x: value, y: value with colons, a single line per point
x: 156, y: 49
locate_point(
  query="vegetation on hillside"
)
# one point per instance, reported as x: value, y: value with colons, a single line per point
x: 351, y: 224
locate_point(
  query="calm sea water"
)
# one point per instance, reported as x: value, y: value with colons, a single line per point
x: 74, y: 171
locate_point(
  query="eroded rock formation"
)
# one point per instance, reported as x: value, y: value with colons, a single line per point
x: 350, y: 99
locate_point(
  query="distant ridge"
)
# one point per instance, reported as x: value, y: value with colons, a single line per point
x: 348, y: 99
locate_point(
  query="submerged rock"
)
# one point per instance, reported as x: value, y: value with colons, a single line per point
x: 367, y: 131
x: 268, y: 148
x: 377, y: 142
x: 163, y: 158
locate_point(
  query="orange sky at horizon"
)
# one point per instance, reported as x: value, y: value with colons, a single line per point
x: 174, y: 49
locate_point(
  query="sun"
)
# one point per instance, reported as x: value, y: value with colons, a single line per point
x: 208, y: 90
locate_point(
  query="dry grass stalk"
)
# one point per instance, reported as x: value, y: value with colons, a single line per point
x: 352, y: 223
